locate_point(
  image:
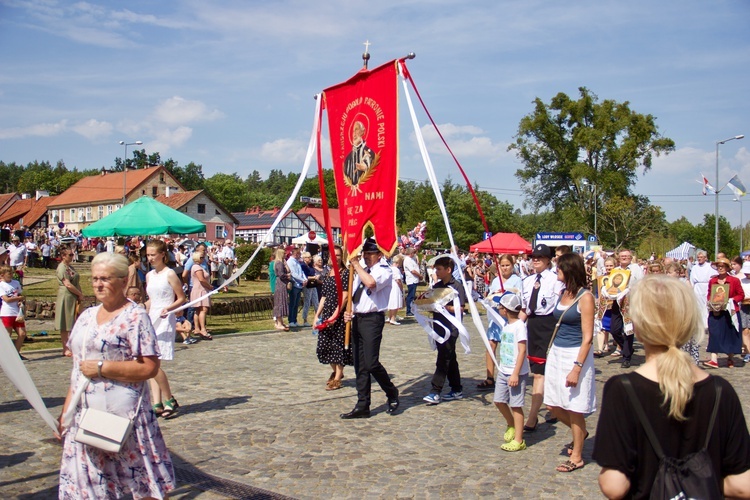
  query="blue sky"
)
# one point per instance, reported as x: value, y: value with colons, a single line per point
x: 229, y: 83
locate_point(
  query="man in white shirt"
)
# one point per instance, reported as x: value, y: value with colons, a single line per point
x: 372, y: 288
x: 17, y: 259
x: 412, y: 274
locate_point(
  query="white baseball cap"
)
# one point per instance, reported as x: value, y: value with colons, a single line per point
x: 510, y: 301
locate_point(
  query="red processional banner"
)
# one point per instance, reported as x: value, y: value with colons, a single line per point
x: 363, y: 129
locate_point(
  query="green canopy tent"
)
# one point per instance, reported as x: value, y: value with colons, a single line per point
x: 144, y: 216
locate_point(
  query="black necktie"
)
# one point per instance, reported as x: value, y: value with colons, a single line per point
x: 360, y: 289
x: 535, y: 293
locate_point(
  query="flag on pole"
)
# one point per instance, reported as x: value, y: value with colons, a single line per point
x: 363, y: 130
x: 735, y: 184
x: 706, y: 185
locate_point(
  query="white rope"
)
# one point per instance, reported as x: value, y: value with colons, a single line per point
x: 436, y: 189
x: 282, y: 212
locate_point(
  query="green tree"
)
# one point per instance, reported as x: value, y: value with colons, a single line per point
x: 190, y: 176
x: 705, y: 234
x: 626, y: 220
x: 229, y: 190
x: 566, y: 142
x: 10, y: 174
x: 37, y: 176
x: 682, y: 230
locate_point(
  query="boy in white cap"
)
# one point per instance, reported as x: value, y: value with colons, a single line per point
x: 510, y: 385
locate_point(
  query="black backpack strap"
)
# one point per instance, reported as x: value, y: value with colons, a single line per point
x: 713, y: 413
x: 647, y: 426
x: 642, y: 416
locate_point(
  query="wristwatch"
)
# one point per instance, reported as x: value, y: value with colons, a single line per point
x: 576, y: 363
x: 99, y: 367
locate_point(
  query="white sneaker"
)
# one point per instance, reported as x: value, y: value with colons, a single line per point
x: 432, y: 398
x: 393, y: 322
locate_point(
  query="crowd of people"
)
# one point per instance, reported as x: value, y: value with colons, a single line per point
x: 559, y: 311
x: 556, y: 312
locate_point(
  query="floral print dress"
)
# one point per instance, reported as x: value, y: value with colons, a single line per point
x: 143, y: 467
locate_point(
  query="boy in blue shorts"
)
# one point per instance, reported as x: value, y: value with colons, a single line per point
x: 510, y: 385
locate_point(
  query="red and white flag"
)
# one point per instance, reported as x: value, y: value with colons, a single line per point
x: 707, y: 186
x: 363, y: 129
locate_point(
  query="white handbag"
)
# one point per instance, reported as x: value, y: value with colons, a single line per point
x: 99, y: 428
x: 103, y: 430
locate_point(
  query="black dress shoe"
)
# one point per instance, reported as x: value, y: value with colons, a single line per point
x: 392, y: 406
x: 356, y: 413
x: 626, y: 363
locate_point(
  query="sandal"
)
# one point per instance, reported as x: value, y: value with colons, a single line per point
x: 333, y: 376
x: 568, y: 466
x: 616, y: 353
x: 333, y: 385
x: 513, y: 446
x: 170, y: 408
x: 730, y: 363
x: 600, y: 354
x: 526, y: 428
x: 486, y: 385
x: 205, y: 336
x: 158, y: 409
x: 569, y: 446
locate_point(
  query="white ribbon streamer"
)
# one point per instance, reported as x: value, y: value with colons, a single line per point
x: 436, y: 189
x: 18, y: 374
x: 282, y: 212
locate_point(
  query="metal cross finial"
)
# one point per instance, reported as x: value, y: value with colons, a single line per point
x: 366, y: 54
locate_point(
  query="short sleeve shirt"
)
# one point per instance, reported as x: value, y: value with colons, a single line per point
x: 621, y: 443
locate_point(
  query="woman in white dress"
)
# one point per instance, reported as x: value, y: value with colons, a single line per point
x: 165, y: 294
x: 396, y: 299
x: 700, y: 274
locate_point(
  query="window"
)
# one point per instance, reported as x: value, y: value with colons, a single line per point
x: 219, y: 232
x: 88, y: 213
x: 217, y: 212
x: 118, y: 207
x: 109, y: 209
x: 80, y: 215
x: 201, y: 208
x: 161, y: 177
x: 53, y: 213
x: 155, y: 191
x: 72, y: 214
x: 100, y: 212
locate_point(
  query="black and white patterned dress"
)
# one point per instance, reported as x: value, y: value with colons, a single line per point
x: 331, y: 339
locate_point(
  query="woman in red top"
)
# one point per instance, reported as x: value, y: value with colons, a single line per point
x: 723, y: 335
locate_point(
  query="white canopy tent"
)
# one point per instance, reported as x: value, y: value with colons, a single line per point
x: 682, y: 252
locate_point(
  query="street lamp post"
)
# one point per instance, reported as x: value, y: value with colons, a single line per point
x: 125, y: 166
x: 716, y: 193
x: 741, y: 222
x: 593, y: 186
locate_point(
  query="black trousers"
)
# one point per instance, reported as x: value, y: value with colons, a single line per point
x: 618, y: 333
x: 446, y: 366
x: 367, y: 333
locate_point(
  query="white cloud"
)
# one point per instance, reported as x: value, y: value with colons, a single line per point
x: 93, y: 129
x: 284, y: 151
x: 38, y: 130
x: 165, y: 139
x: 685, y: 160
x: 464, y: 140
x: 179, y: 111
